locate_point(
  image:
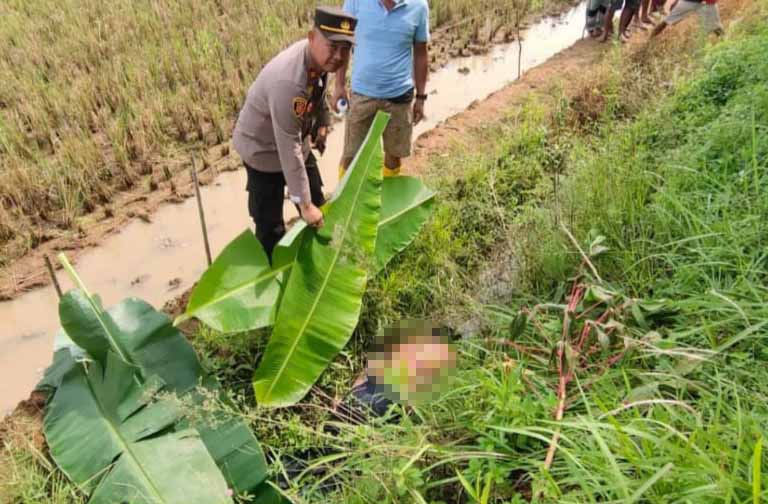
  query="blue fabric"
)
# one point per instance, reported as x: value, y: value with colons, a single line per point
x: 371, y: 395
x: 382, y: 65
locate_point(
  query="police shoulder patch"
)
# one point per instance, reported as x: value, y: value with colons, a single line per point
x: 300, y: 106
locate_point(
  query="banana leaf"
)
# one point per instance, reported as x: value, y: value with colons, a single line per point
x: 150, y: 343
x: 136, y: 332
x: 288, y: 247
x: 95, y: 333
x: 230, y: 306
x: 266, y: 494
x: 240, y: 289
x: 323, y: 295
x: 62, y: 362
x: 105, y: 432
x: 406, y: 204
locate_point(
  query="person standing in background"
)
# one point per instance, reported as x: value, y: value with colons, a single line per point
x: 389, y: 73
x: 628, y: 10
x: 708, y: 11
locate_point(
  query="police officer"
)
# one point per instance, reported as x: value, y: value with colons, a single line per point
x: 284, y: 106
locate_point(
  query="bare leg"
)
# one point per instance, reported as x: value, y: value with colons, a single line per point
x: 644, y: 12
x: 608, y: 26
x: 624, y: 20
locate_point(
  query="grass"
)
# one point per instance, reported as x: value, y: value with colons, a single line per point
x: 27, y: 473
x: 648, y: 327
x: 665, y: 399
x: 99, y: 100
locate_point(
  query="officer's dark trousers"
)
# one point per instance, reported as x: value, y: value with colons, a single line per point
x: 266, y: 193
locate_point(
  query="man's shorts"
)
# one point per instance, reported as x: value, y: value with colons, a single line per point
x: 709, y: 14
x: 625, y: 4
x: 397, y: 135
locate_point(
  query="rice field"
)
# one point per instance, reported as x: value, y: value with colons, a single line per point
x: 97, y: 97
x: 606, y: 288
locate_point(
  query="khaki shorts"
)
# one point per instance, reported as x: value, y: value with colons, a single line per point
x: 709, y: 14
x: 397, y: 136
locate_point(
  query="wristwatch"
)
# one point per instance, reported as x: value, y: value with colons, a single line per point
x: 422, y: 97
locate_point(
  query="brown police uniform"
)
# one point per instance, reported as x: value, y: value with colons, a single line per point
x: 283, y: 106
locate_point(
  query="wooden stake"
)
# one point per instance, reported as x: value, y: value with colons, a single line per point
x: 200, y: 211
x: 51, y: 272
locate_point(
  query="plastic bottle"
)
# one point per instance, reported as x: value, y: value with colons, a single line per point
x: 342, y: 106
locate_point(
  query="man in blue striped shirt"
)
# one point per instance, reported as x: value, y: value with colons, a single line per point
x: 389, y: 73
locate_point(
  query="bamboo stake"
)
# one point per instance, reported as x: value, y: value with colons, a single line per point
x: 200, y: 211
x: 52, y: 273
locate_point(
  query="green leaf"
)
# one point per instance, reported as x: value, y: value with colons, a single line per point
x: 63, y: 361
x: 596, y: 294
x: 406, y: 203
x: 323, y: 295
x: 139, y: 334
x: 288, y: 247
x: 239, y: 291
x: 517, y: 326
x: 151, y: 344
x: 98, y: 427
x: 602, y: 337
x: 757, y: 485
x: 643, y: 393
x: 198, y: 481
x: 234, y: 448
x: 596, y: 247
x: 81, y: 316
x: 485, y: 497
x: 235, y: 297
x: 467, y: 486
x: 267, y: 494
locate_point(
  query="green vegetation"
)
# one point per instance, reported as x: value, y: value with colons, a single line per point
x: 98, y: 98
x: 312, y: 291
x: 127, y: 417
x: 655, y: 330
x: 605, y: 256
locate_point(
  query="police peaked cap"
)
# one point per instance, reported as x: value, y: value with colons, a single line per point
x: 335, y: 24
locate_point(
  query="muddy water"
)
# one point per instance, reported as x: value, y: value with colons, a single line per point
x: 158, y: 261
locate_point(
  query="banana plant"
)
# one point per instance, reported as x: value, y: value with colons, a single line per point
x: 313, y: 290
x: 107, y: 373
x: 240, y: 291
x: 324, y: 292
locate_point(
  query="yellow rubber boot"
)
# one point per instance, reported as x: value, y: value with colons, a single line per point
x: 388, y: 172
